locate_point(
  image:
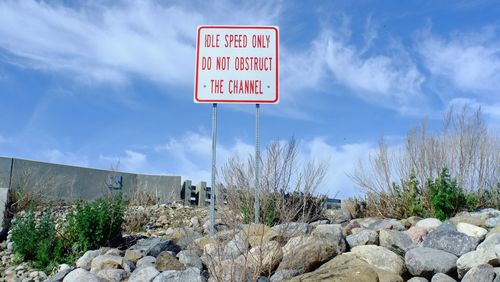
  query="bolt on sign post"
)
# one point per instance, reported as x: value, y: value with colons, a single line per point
x: 238, y: 65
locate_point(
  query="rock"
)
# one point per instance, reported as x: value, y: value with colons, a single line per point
x: 182, y: 236
x: 191, y: 274
x: 105, y: 261
x: 465, y: 218
x: 489, y: 242
x: 412, y: 220
x: 426, y: 262
x: 231, y: 270
x: 484, y: 256
x: 190, y: 259
x: 447, y: 225
x: 429, y: 223
x: 258, y: 234
x: 143, y: 274
x: 480, y: 273
x: 133, y: 255
x: 451, y: 241
x: 128, y: 266
x: 471, y: 230
x: 492, y: 222
x: 146, y: 261
x: 85, y: 260
x: 114, y: 252
x: 493, y: 231
x: 304, y: 253
x: 236, y: 246
x: 59, y: 276
x: 333, y: 234
x: 388, y: 224
x: 112, y: 275
x: 380, y: 257
x: 265, y: 257
x: 292, y: 229
x: 441, y: 277
x: 81, y: 275
x: 152, y: 246
x: 418, y: 279
x: 341, y: 268
x: 282, y: 275
x: 396, y: 241
x: 339, y: 216
x: 417, y: 234
x: 346, y: 230
x: 165, y: 261
x: 364, y: 237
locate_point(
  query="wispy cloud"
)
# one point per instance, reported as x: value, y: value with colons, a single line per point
x: 131, y: 161
x: 112, y: 43
x: 389, y: 80
x: 466, y: 62
x: 68, y: 158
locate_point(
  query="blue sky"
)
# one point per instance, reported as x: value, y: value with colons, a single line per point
x: 93, y: 83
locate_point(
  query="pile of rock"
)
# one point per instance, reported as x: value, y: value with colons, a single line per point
x: 337, y: 248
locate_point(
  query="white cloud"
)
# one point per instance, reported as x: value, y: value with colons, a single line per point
x: 191, y: 155
x: 132, y: 161
x: 131, y: 38
x: 68, y: 158
x: 468, y: 62
x: 389, y: 80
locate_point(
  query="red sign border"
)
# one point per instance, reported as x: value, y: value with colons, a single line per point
x: 197, y: 100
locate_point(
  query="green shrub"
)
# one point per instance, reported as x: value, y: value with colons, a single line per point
x: 409, y: 197
x: 447, y: 198
x: 94, y: 224
x: 88, y: 226
x: 38, y: 243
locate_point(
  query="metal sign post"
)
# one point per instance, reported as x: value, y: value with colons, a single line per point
x: 257, y: 161
x: 214, y: 147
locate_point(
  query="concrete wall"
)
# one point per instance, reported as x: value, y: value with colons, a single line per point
x: 72, y: 183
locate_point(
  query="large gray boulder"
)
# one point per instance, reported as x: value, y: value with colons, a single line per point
x: 484, y: 256
x: 480, y: 273
x: 427, y: 262
x: 364, y: 237
x: 396, y: 241
x: 291, y: 229
x: 453, y: 242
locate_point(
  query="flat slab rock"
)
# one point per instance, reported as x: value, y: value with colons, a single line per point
x: 453, y: 242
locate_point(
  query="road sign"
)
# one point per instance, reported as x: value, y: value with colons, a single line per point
x: 237, y: 64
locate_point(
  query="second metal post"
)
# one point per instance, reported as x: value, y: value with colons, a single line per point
x: 257, y: 162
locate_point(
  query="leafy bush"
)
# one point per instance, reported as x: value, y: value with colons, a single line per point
x: 88, y: 226
x: 94, y: 224
x: 410, y: 197
x: 447, y: 198
x: 38, y: 242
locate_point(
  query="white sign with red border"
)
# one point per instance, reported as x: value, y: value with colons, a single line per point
x: 237, y: 64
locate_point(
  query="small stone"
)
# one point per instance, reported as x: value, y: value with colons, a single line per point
x: 133, y: 255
